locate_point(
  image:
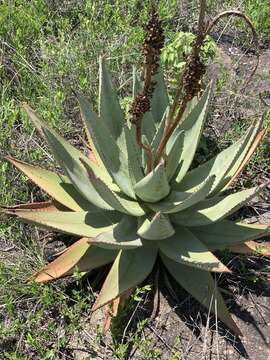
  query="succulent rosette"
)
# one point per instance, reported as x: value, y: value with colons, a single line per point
x: 128, y: 217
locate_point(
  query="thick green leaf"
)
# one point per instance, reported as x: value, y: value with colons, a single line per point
x: 129, y: 269
x: 193, y: 125
x: 156, y: 228
x: 190, y: 106
x: 89, y: 224
x: 174, y: 153
x: 201, y: 286
x: 159, y: 132
x: 243, y: 152
x: 56, y: 185
x: 114, y: 159
x: 245, y: 160
x: 92, y: 146
x: 219, y: 165
x: 154, y: 186
x: 148, y: 126
x: 215, y: 209
x: 109, y: 107
x: 179, y: 201
x: 160, y: 98
x: 183, y: 247
x: 134, y: 155
x: 116, y: 201
x: 144, y: 155
x: 66, y: 147
x: 70, y: 162
x: 122, y: 236
x: 80, y: 256
x: 224, y: 233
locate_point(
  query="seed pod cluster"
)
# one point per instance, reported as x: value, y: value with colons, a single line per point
x: 153, y: 43
x: 154, y: 40
x: 194, y: 71
x: 140, y: 106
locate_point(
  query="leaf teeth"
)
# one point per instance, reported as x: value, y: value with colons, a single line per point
x: 192, y: 125
x: 183, y: 247
x: 112, y: 154
x: 216, y: 208
x: 112, y: 199
x: 224, y: 234
x: 56, y: 185
x: 80, y: 255
x: 179, y: 201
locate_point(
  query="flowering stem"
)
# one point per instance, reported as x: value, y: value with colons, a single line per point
x: 189, y: 84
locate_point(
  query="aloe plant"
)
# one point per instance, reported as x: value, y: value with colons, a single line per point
x: 129, y: 215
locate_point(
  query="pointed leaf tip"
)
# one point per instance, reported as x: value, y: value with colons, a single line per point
x: 154, y: 186
x: 81, y: 255
x: 129, y: 269
x: 156, y: 228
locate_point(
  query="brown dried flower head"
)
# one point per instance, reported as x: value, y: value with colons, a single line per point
x: 153, y: 43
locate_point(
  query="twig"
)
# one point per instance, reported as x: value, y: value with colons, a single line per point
x: 129, y: 322
x: 161, y: 338
x: 254, y: 34
x: 156, y: 294
x: 8, y: 249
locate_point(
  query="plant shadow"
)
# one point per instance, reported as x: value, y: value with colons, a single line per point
x: 245, y: 281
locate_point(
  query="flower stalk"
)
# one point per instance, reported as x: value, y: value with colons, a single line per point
x: 189, y: 84
x: 153, y: 43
